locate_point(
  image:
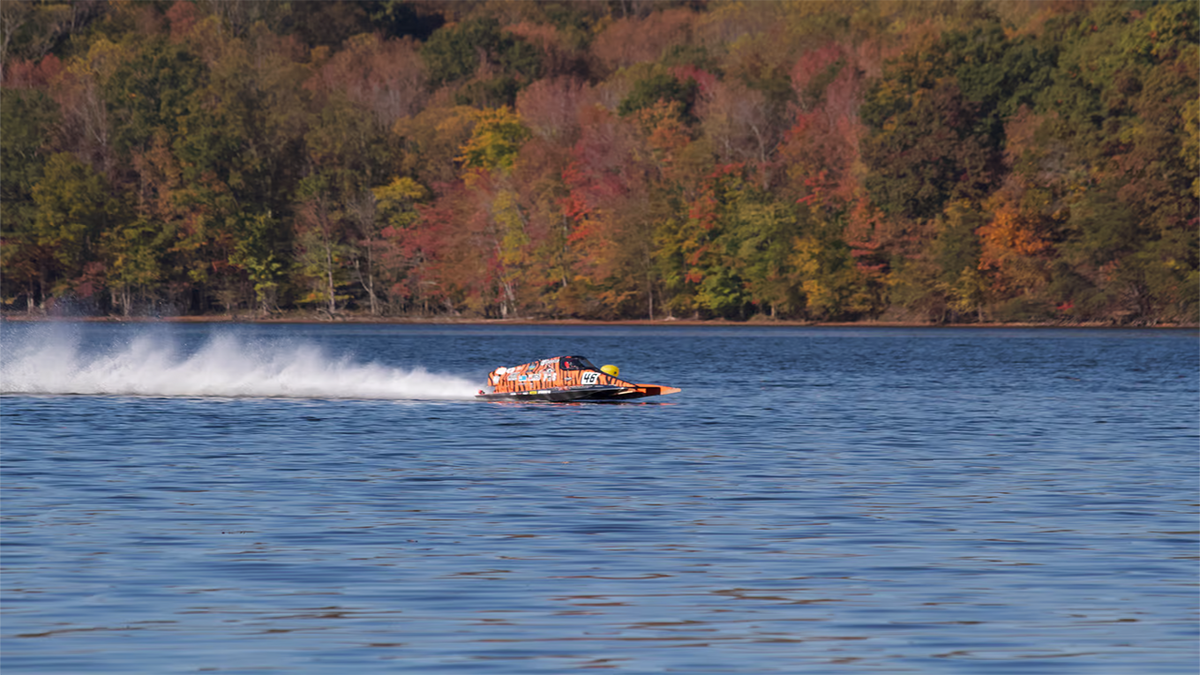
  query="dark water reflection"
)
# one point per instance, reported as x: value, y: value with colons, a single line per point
x: 813, y: 501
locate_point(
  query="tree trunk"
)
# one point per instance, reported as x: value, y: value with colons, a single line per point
x: 329, y: 276
x: 510, y: 301
x: 371, y: 284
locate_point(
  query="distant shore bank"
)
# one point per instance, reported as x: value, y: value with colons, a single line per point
x: 463, y: 321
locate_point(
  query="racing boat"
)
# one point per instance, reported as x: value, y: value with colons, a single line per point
x: 564, y: 378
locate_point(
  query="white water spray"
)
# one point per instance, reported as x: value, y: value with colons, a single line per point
x: 48, y: 362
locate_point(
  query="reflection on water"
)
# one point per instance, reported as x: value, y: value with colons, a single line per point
x: 814, y: 501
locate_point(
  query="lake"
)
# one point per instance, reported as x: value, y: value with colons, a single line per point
x: 331, y: 499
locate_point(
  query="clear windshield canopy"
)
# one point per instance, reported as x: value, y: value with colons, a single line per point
x: 576, y: 363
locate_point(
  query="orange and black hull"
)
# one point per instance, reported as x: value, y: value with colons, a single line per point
x: 582, y: 393
x: 564, y: 378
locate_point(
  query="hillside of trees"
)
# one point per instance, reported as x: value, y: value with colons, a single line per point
x: 929, y: 161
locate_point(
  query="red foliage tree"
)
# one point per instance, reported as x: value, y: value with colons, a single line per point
x: 629, y: 41
x: 385, y: 76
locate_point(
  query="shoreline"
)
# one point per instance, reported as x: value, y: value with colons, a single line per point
x: 452, y: 321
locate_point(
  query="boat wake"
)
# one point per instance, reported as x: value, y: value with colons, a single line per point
x: 226, y: 366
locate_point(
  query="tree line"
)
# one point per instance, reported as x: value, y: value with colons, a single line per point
x: 937, y: 161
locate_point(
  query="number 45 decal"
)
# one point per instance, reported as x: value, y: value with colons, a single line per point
x: 590, y: 377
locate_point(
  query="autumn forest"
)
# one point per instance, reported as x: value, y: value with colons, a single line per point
x: 923, y: 161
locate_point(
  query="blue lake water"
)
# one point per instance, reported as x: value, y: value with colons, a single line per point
x: 329, y: 499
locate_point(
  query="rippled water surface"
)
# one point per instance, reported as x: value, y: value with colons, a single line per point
x: 329, y: 499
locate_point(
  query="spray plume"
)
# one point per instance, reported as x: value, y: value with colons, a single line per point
x: 224, y: 366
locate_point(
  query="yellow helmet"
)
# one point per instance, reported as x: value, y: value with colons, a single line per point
x: 611, y: 370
